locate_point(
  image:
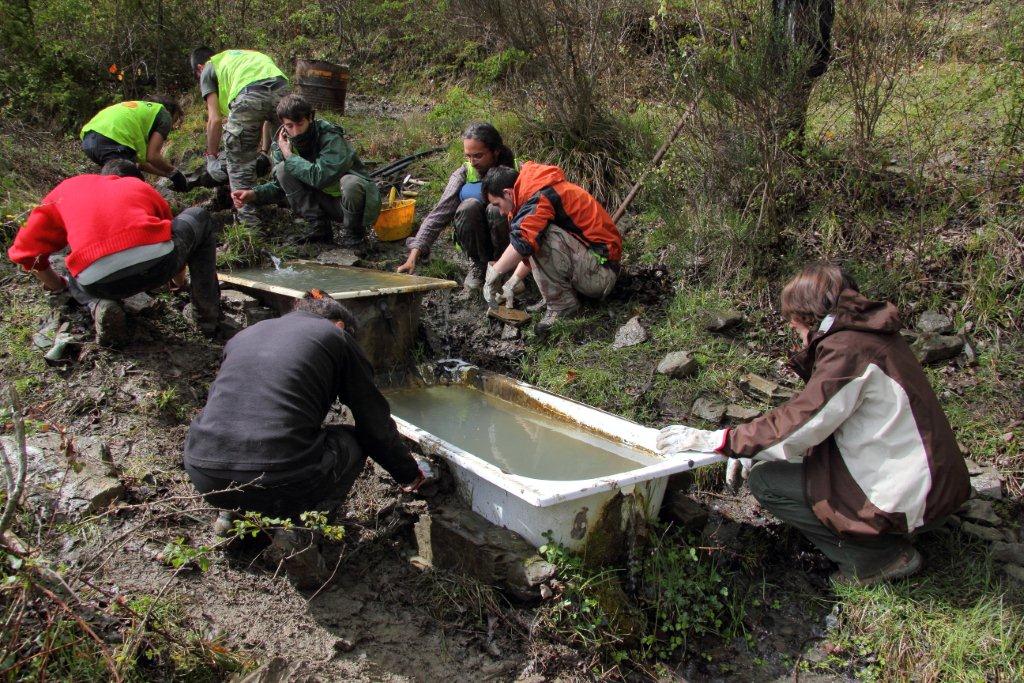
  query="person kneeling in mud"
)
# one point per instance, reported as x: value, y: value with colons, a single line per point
x: 863, y: 457
x: 123, y: 240
x: 559, y: 232
x: 320, y: 175
x: 260, y: 445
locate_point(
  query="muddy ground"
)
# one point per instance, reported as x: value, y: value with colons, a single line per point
x: 381, y: 618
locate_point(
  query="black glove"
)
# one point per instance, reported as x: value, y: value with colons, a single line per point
x: 178, y: 182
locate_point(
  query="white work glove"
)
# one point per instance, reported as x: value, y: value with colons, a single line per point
x: 215, y: 167
x: 736, y: 472
x: 507, y: 295
x: 679, y: 439
x: 492, y: 286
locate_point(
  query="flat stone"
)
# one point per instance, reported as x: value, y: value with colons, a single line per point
x: 510, y: 316
x: 933, y: 322
x: 708, y: 409
x: 1015, y: 572
x: 722, y: 321
x: 678, y: 364
x: 738, y: 412
x: 936, y: 348
x: 258, y: 314
x: 764, y: 388
x: 73, y: 479
x: 684, y: 511
x: 985, y: 480
x: 339, y: 257
x: 140, y: 304
x: 630, y: 334
x: 457, y: 539
x: 1008, y: 552
x: 980, y: 510
x: 237, y: 301
x: 985, y: 533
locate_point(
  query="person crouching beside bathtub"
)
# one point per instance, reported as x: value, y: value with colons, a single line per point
x: 863, y: 457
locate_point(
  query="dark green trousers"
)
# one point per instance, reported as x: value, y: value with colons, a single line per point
x: 779, y: 488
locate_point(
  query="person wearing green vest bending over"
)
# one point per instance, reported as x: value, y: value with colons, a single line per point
x: 135, y: 131
x: 241, y: 89
x: 481, y: 231
x: 320, y: 175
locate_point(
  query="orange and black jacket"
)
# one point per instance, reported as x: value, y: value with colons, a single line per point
x: 544, y: 197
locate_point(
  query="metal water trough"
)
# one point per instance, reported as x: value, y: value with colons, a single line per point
x: 566, y: 511
x: 386, y: 305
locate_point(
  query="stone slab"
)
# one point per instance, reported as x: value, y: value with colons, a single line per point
x: 74, y: 479
x: 937, y: 348
x: 708, y: 409
x: 1008, y: 552
x: 933, y: 322
x: 630, y: 334
x: 738, y: 412
x: 678, y: 364
x: 985, y: 533
x: 460, y: 540
x: 722, y: 321
x: 980, y: 510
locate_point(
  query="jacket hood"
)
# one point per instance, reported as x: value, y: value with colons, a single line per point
x: 533, y: 178
x: 853, y: 312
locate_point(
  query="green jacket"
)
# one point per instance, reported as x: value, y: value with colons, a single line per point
x: 321, y: 156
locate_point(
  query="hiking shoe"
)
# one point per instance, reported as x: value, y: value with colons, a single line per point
x: 537, y: 307
x: 474, y: 279
x: 224, y: 526
x: 300, y: 555
x: 907, y: 563
x: 551, y: 317
x: 110, y: 323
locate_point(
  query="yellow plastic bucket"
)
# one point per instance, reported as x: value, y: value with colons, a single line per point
x: 395, y: 220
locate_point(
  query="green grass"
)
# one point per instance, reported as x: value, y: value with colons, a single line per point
x: 957, y: 621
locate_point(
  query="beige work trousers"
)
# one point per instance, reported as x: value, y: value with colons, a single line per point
x: 563, y: 266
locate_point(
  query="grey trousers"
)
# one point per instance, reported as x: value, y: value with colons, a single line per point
x: 563, y: 266
x: 779, y: 488
x: 195, y: 245
x: 481, y: 231
x: 243, y: 131
x: 356, y: 209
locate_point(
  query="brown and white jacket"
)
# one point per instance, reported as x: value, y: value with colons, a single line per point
x: 879, y: 454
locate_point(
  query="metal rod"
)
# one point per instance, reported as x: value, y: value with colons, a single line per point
x: 656, y: 161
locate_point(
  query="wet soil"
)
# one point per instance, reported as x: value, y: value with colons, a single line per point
x: 381, y: 619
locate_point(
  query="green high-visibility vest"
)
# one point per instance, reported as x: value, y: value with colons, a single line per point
x: 473, y: 176
x: 128, y: 123
x: 236, y: 69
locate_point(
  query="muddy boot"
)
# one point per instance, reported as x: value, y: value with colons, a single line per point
x: 224, y: 526
x: 475, y: 277
x: 551, y: 317
x: 906, y: 563
x: 110, y: 323
x: 299, y: 553
x: 537, y: 307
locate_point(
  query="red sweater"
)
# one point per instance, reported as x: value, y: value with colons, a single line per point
x: 96, y: 216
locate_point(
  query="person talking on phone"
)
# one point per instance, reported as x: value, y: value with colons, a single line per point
x: 320, y: 175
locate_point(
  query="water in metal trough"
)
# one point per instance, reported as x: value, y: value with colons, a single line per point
x: 305, y: 276
x: 516, y: 439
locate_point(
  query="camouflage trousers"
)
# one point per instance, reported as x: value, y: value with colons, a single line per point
x: 563, y: 266
x: 243, y: 132
x: 356, y: 209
